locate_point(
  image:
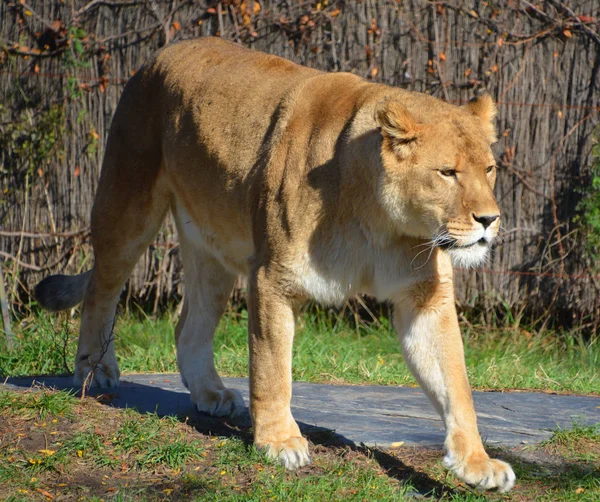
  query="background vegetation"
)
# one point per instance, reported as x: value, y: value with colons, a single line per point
x: 63, y: 66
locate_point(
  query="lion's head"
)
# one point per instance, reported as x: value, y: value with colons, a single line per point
x: 439, y: 173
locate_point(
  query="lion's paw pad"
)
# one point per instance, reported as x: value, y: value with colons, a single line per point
x: 292, y: 452
x: 484, y: 473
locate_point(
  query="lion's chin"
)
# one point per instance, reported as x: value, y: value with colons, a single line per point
x: 468, y: 257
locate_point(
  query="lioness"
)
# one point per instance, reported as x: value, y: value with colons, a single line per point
x: 314, y: 185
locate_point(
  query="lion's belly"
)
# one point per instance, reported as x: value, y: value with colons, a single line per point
x: 232, y: 250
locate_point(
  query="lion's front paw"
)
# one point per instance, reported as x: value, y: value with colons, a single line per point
x: 220, y: 403
x: 103, y: 374
x: 482, y: 472
x: 292, y: 452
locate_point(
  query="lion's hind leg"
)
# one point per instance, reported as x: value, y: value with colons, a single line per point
x: 207, y: 288
x: 131, y: 202
x: 122, y: 228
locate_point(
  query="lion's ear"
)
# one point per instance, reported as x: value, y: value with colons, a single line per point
x: 484, y: 108
x: 396, y: 123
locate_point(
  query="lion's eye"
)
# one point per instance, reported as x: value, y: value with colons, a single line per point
x: 449, y: 173
x: 489, y: 169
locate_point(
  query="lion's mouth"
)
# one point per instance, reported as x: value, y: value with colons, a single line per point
x: 454, y: 244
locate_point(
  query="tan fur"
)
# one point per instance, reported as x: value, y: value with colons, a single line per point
x: 314, y: 185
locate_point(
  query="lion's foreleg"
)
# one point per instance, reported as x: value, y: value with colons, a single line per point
x: 427, y: 324
x: 271, y: 334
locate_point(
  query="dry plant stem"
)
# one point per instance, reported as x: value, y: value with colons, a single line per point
x: 5, y: 313
x: 15, y: 271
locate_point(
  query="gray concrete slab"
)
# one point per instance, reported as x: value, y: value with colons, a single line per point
x: 371, y: 415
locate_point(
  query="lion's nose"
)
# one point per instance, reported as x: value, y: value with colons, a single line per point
x: 486, y: 221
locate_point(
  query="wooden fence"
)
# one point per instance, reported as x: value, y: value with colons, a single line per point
x: 63, y: 66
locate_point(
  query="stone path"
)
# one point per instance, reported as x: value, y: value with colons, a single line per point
x: 375, y: 416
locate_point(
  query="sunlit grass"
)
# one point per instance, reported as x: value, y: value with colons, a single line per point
x: 326, y: 349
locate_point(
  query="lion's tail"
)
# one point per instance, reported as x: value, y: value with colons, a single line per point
x: 61, y: 292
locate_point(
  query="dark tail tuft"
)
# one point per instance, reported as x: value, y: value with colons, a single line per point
x: 61, y: 292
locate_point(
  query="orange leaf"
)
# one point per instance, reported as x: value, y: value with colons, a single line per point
x: 77, y: 171
x: 103, y: 84
x: 335, y: 13
x: 45, y: 493
x: 567, y: 33
x: 176, y: 25
x: 211, y: 10
x: 442, y: 56
x: 467, y: 72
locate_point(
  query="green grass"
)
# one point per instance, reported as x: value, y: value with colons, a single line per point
x: 42, y: 404
x: 564, y: 437
x: 326, y: 349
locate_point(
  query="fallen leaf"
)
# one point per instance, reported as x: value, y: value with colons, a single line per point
x: 397, y: 444
x: 48, y: 453
x: 580, y: 490
x: 45, y: 493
